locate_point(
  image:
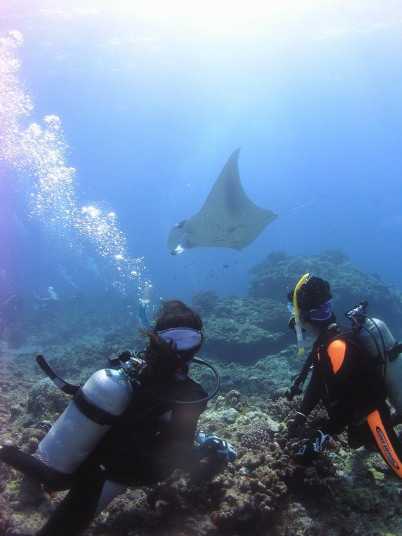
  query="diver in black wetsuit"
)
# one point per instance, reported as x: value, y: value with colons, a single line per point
x: 154, y: 435
x: 349, y: 382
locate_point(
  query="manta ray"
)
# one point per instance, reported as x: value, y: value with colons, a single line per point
x: 228, y: 218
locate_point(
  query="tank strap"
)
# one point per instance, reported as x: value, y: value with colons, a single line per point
x: 95, y: 414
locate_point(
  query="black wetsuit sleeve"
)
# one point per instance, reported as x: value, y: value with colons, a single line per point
x: 312, y: 394
x: 306, y: 368
x: 176, y: 442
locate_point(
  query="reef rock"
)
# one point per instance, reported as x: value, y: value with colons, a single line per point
x: 279, y: 273
x: 244, y: 329
x: 45, y: 400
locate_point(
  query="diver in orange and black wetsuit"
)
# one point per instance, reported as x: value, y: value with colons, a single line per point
x: 350, y: 385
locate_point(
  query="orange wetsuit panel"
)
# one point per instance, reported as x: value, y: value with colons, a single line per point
x: 383, y: 442
x: 337, y: 353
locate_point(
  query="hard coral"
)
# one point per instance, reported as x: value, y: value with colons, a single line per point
x: 256, y: 437
x: 45, y: 400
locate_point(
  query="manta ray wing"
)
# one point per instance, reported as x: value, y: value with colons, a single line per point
x: 228, y: 217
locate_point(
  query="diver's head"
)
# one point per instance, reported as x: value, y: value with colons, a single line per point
x: 175, y: 339
x: 313, y: 300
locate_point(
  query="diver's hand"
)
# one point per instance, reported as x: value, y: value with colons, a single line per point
x: 211, y: 445
x: 312, y: 448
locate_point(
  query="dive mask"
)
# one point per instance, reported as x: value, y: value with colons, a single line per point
x: 321, y: 313
x: 184, y: 339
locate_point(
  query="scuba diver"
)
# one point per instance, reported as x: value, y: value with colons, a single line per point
x: 129, y: 425
x: 355, y: 373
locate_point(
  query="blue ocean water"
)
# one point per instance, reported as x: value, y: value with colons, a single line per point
x: 153, y: 104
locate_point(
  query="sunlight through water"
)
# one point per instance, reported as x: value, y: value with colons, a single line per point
x: 39, y: 151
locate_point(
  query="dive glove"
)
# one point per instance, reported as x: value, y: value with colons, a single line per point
x: 208, y: 445
x: 313, y: 447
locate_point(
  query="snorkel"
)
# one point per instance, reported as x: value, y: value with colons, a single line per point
x: 296, y: 311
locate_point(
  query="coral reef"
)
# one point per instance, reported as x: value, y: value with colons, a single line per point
x: 263, y: 492
x: 244, y: 329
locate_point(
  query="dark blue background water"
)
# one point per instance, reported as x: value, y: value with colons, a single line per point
x: 152, y: 110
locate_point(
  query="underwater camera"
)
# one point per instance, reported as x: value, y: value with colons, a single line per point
x: 358, y: 314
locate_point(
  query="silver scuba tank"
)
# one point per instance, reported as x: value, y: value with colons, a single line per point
x: 378, y: 341
x: 75, y: 434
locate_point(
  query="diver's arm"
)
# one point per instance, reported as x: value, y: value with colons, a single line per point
x: 299, y: 380
x: 185, y: 422
x: 311, y: 398
x: 175, y: 446
x: 199, y: 454
x: 306, y: 368
x: 312, y: 394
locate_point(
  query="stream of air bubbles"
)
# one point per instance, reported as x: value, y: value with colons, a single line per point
x: 39, y: 150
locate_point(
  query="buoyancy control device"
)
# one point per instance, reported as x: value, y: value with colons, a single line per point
x: 377, y: 340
